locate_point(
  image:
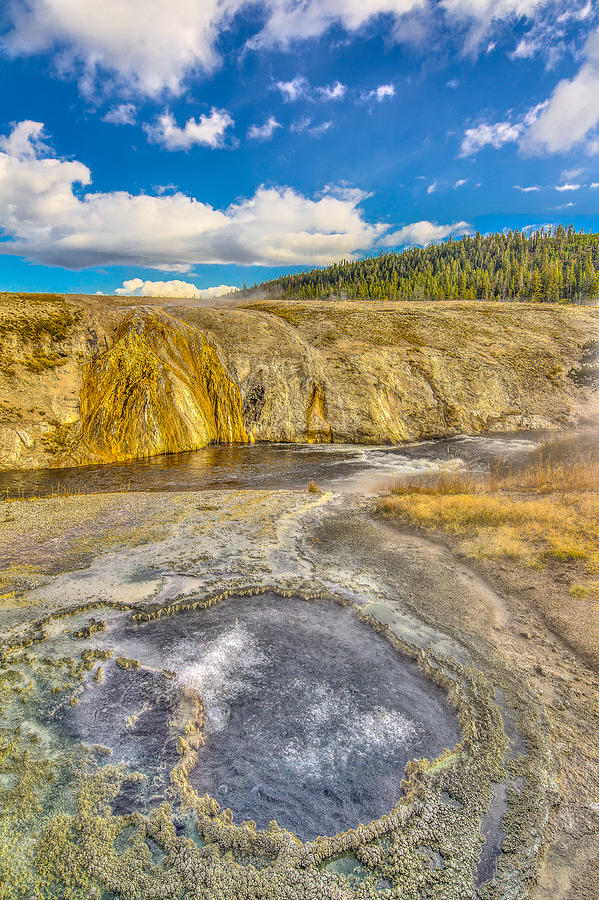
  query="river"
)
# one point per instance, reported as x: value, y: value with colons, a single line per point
x: 339, y: 467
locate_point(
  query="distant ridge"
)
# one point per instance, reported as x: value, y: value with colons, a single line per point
x: 550, y: 265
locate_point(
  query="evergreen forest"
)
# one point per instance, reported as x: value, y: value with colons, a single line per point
x: 557, y: 265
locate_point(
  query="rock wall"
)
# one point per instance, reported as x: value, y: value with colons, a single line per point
x: 88, y: 379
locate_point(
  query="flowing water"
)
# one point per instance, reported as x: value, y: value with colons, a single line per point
x: 344, y: 467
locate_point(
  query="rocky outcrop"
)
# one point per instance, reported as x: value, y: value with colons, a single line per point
x: 94, y: 379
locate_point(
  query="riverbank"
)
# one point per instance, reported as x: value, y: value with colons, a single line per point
x: 97, y: 379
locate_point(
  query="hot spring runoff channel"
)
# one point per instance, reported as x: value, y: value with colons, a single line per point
x: 311, y: 715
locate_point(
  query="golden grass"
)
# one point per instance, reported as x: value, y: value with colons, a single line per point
x: 547, y: 512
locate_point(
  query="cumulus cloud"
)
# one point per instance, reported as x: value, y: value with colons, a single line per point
x: 432, y: 187
x: 485, y: 135
x: 294, y: 89
x: 499, y: 133
x: 526, y: 48
x: 44, y: 217
x: 567, y: 187
x: 420, y: 234
x: 572, y: 112
x: 381, y: 92
x: 137, y: 287
x: 123, y: 114
x: 527, y: 190
x: 147, y: 45
x: 300, y: 88
x: 460, y: 182
x: 208, y: 130
x: 264, y: 132
x: 24, y: 141
x: 336, y: 91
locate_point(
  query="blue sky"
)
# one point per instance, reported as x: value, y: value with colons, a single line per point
x: 145, y: 143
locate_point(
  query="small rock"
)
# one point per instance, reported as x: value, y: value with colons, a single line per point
x: 26, y: 439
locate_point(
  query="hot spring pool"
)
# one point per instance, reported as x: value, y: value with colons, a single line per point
x: 311, y: 715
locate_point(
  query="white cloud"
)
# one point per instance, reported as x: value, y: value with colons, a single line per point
x: 485, y: 135
x: 552, y: 32
x: 318, y: 130
x: 136, y: 287
x: 572, y: 111
x: 526, y: 48
x: 43, y: 218
x: 592, y: 147
x: 289, y: 21
x: 208, y: 130
x: 527, y: 190
x: 594, y: 185
x: 480, y: 16
x: 567, y: 187
x: 498, y: 133
x: 305, y: 126
x: 579, y: 15
x: 336, y: 91
x: 382, y: 92
x: 419, y: 234
x: 571, y: 174
x: 294, y: 89
x: 264, y: 132
x: 25, y: 140
x: 151, y: 46
x: 460, y: 182
x: 148, y: 45
x: 300, y: 88
x: 123, y: 114
x: 432, y: 187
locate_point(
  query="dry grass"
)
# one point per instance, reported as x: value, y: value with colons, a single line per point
x: 545, y: 513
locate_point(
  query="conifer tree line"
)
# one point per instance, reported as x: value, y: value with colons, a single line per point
x: 550, y: 265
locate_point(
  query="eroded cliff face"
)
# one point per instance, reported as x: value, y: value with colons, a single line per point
x: 387, y: 373
x: 159, y: 388
x: 96, y: 379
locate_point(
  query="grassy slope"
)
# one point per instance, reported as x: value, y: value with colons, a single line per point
x: 539, y: 525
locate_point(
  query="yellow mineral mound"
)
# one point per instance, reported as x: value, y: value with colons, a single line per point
x: 159, y: 388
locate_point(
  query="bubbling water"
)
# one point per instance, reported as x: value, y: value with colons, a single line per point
x: 221, y: 675
x: 310, y: 715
